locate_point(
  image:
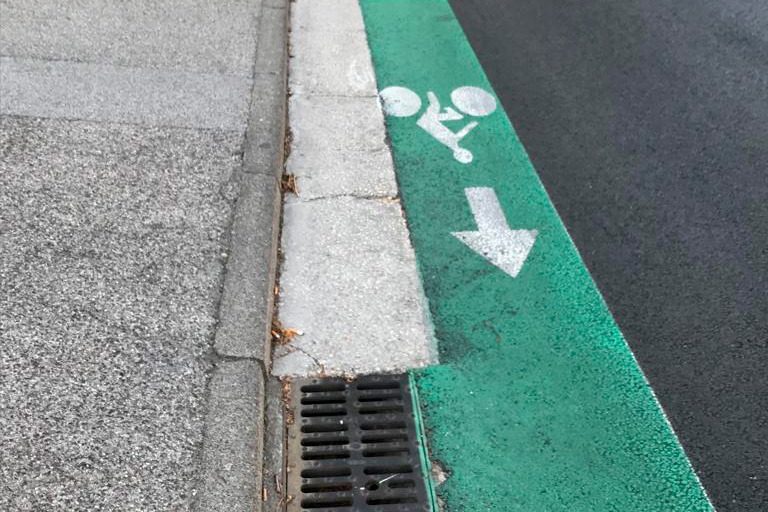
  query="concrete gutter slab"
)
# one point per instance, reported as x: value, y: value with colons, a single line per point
x: 365, y: 315
x: 339, y: 147
x: 346, y: 68
x: 327, y: 16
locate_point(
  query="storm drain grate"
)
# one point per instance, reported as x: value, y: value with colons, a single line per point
x: 354, y: 446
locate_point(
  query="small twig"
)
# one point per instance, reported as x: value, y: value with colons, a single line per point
x: 390, y: 477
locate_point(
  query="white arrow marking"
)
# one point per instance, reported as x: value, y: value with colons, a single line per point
x: 506, y: 248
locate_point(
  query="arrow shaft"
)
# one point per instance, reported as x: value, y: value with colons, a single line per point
x: 486, y: 209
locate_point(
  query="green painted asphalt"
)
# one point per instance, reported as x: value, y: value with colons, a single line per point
x: 538, y: 403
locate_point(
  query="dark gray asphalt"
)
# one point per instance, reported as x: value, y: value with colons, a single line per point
x: 647, y: 120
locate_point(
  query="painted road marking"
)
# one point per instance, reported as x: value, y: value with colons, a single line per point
x: 469, y: 100
x: 538, y: 403
x: 506, y: 248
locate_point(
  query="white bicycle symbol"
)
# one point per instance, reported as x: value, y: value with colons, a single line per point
x: 472, y: 101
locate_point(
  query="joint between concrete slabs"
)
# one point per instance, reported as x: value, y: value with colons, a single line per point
x: 217, y: 358
x: 158, y: 126
x: 384, y: 198
x: 333, y: 95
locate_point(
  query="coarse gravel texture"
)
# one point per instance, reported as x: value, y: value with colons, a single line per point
x: 112, y: 241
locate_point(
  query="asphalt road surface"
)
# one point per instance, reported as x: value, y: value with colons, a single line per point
x: 647, y: 121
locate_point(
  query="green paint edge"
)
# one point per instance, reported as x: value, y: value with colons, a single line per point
x: 426, y: 463
x: 435, y: 36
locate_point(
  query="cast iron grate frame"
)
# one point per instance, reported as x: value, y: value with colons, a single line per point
x: 354, y: 446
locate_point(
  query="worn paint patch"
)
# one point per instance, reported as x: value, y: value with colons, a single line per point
x: 539, y: 403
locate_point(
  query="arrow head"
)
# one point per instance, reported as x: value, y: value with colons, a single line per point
x: 507, y: 249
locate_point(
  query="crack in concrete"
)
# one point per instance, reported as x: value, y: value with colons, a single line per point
x: 317, y: 362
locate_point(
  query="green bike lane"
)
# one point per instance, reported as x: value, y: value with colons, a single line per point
x: 537, y: 403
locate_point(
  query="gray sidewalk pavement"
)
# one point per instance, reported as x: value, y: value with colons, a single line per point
x: 141, y: 145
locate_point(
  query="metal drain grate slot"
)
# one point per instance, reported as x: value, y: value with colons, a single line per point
x: 354, y: 447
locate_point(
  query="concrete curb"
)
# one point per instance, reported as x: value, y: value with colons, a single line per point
x: 246, y: 303
x: 233, y: 450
